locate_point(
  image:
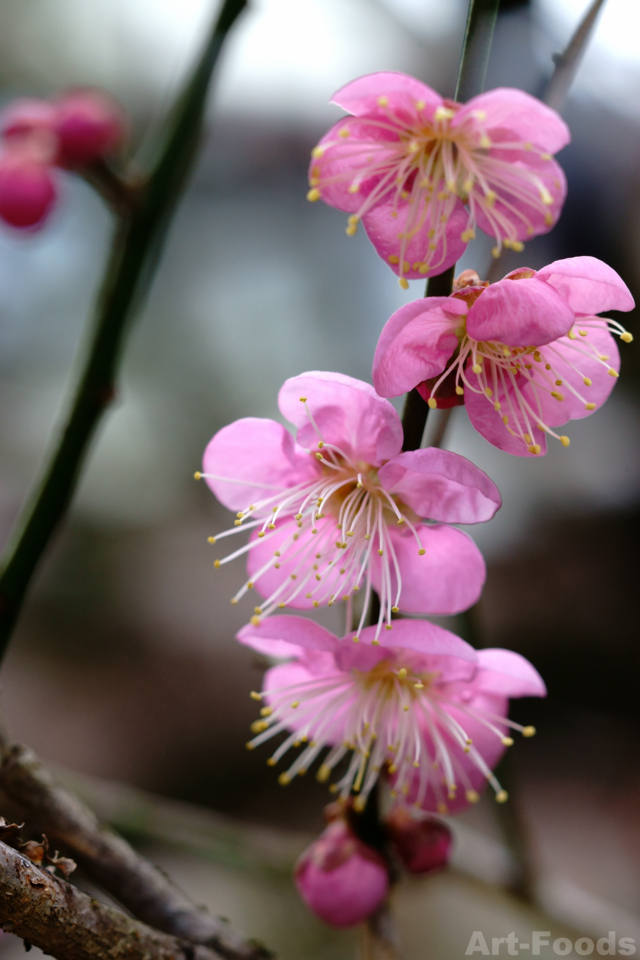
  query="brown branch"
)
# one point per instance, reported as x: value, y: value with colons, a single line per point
x: 110, y: 861
x: 568, y: 61
x: 55, y: 916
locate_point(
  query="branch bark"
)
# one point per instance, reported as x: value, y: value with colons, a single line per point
x: 65, y: 923
x: 110, y: 861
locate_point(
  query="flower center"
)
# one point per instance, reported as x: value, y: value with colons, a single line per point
x: 324, y: 531
x: 426, y: 166
x: 393, y: 718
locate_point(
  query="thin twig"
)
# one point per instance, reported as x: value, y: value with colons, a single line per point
x: 568, y: 62
x: 138, y: 243
x: 65, y: 923
x: 110, y: 861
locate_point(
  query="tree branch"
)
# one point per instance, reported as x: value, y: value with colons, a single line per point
x: 568, y: 61
x: 110, y: 861
x: 55, y: 916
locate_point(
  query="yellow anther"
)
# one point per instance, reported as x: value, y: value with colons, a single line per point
x: 527, y: 437
x: 502, y: 796
x: 490, y: 197
x: 476, y: 368
x: 313, y: 195
x: 383, y: 101
x: 626, y: 336
x: 517, y: 246
x: 344, y: 133
x: 257, y: 609
x: 589, y: 406
x: 467, y: 186
x: 612, y: 372
x: 237, y: 523
x: 216, y: 564
x: 443, y: 113
x: 392, y: 258
x: 271, y: 762
x: 295, y: 704
x: 395, y: 610
x: 233, y: 601
x: 388, y: 626
x: 419, y: 685
x: 467, y: 235
x: 381, y: 552
x: 351, y: 230
x: 413, y: 146
x: 421, y: 552
x: 317, y: 152
x: 393, y: 768
x: 529, y: 732
x: 432, y: 403
x: 211, y: 539
x: 255, y: 621
x: 507, y: 741
x: 460, y: 391
x: 472, y: 796
x: 354, y: 187
x: 284, y: 779
x: 572, y: 334
x: 359, y: 804
x: 497, y: 405
x: 375, y: 643
x: 249, y: 746
x: 565, y: 441
x: 356, y: 639
x: 402, y: 672
x: 266, y: 711
x: 587, y: 381
x: 258, y: 726
x: 403, y: 283
x: 558, y: 383
x: 197, y: 475
x: 556, y: 395
x: 534, y: 448
x: 442, y: 808
x: 505, y: 419
x: 583, y: 333
x: 255, y: 696
x: 489, y: 392
x: 323, y: 773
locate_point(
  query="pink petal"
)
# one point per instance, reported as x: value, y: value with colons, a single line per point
x: 446, y: 579
x: 588, y: 285
x: 488, y: 421
x: 392, y: 217
x: 297, y: 561
x: 440, y: 485
x: 488, y: 745
x: 284, y: 636
x: 528, y: 118
x: 348, y: 413
x: 521, y: 205
x: 259, y: 457
x: 416, y: 343
x: 361, y: 96
x: 331, y: 721
x: 342, y: 162
x: 421, y: 635
x: 519, y: 313
x: 508, y: 674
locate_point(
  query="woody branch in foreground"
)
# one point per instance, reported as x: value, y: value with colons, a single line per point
x: 52, y: 914
x: 109, y: 861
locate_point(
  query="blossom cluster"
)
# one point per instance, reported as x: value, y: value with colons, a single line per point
x: 39, y: 136
x: 338, y: 510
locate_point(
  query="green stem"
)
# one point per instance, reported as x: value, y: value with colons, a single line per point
x: 481, y: 21
x: 139, y: 238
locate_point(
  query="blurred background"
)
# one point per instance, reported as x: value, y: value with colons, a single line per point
x: 124, y: 666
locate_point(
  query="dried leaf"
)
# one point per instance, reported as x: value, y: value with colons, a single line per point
x: 10, y: 833
x: 35, y: 850
x: 65, y: 865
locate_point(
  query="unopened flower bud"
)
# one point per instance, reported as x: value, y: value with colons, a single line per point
x: 27, y: 125
x: 341, y: 880
x: 27, y: 190
x: 89, y: 125
x: 422, y: 843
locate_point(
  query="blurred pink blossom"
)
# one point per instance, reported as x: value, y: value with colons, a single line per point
x: 408, y: 161
x: 340, y: 878
x: 341, y: 507
x: 28, y: 190
x: 425, y: 707
x: 89, y: 125
x: 527, y: 356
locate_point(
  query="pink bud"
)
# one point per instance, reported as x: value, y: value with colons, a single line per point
x: 27, y: 125
x: 89, y: 125
x: 423, y: 844
x: 340, y: 878
x: 27, y: 190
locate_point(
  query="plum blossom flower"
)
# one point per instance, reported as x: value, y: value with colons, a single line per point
x: 342, y: 508
x: 525, y: 354
x: 407, y: 161
x: 425, y: 707
x: 340, y: 878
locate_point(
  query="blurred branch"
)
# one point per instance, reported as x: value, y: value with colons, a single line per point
x: 476, y: 48
x: 110, y: 861
x: 52, y: 914
x: 568, y: 62
x: 140, y: 234
x: 380, y: 935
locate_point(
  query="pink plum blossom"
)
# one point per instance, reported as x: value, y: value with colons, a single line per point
x: 341, y: 507
x: 89, y: 125
x: 421, y: 172
x: 27, y: 190
x: 425, y: 707
x: 340, y: 878
x: 525, y: 354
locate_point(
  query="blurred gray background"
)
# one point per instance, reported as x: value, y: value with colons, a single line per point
x: 124, y: 665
